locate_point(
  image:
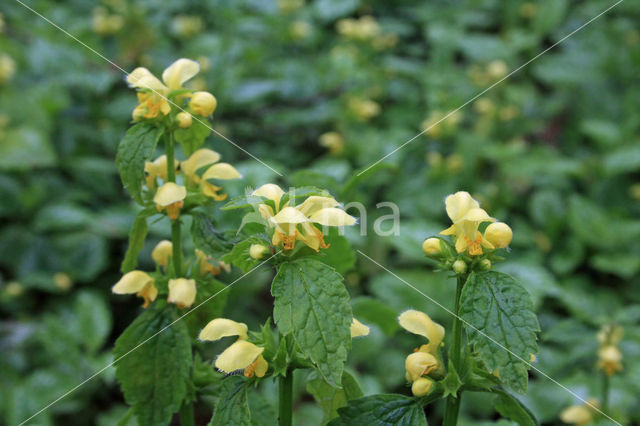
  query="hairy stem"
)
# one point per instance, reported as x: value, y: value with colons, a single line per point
x: 285, y: 391
x: 176, y: 238
x: 452, y: 406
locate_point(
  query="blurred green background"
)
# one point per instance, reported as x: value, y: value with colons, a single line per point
x: 320, y: 90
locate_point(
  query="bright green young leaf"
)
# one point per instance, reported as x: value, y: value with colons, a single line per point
x: 509, y: 407
x: 232, y: 407
x: 137, y: 235
x: 135, y: 148
x: 207, y: 238
x: 154, y: 375
x: 193, y: 137
x: 331, y: 398
x: 504, y: 325
x: 312, y: 304
x: 381, y: 410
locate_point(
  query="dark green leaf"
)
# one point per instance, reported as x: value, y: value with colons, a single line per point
x: 503, y: 325
x: 331, y: 398
x: 239, y: 255
x: 232, y: 407
x: 312, y: 304
x: 509, y: 407
x: 137, y: 236
x: 153, y: 364
x: 381, y: 410
x: 373, y: 311
x: 134, y: 150
x: 207, y: 238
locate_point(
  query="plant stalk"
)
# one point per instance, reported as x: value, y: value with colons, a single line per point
x: 605, y: 392
x: 285, y: 391
x: 176, y: 238
x: 452, y: 407
x: 186, y: 415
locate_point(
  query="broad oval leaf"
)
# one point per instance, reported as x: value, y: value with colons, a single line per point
x: 384, y: 409
x: 135, y: 148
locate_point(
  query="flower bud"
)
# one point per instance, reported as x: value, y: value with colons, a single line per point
x: 422, y: 386
x: 485, y: 264
x: 62, y: 281
x: 431, y: 246
x: 459, y: 266
x: 184, y: 120
x: 420, y: 363
x: 182, y: 292
x: 203, y: 103
x: 499, y: 234
x: 256, y: 251
x: 162, y: 252
x: 577, y: 415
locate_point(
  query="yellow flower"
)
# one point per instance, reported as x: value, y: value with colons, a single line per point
x: 170, y: 197
x: 138, y: 283
x: 7, y: 68
x: 419, y: 364
x: 157, y: 169
x: 431, y: 246
x: 182, y: 292
x: 417, y: 322
x: 257, y: 251
x: 241, y: 355
x: 153, y: 93
x: 271, y: 192
x: 184, y: 120
x: 358, y: 329
x: 333, y: 141
x: 205, y: 266
x: 162, y: 252
x: 62, y: 281
x: 466, y: 215
x: 498, y: 234
x: 203, y: 103
x: 220, y: 171
x: 577, y: 415
x: 198, y: 160
x: 610, y: 359
x: 422, y: 386
x: 14, y: 289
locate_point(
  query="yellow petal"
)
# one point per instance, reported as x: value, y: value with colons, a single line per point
x: 452, y: 230
x: 498, y: 234
x: 197, y: 160
x: 358, y: 329
x: 288, y: 215
x: 203, y: 103
x: 169, y: 193
x: 132, y: 282
x: 477, y: 215
x: 459, y: 204
x: 577, y: 415
x: 332, y: 217
x: 238, y: 356
x: 261, y: 366
x: 422, y: 386
x: 221, y: 171
x: 179, y: 72
x: 418, y: 364
x: 223, y: 327
x: 417, y: 322
x: 162, y: 252
x: 141, y: 78
x: 182, y: 292
x: 270, y: 191
x: 315, y: 203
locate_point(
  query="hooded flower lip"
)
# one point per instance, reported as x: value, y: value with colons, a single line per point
x: 271, y: 192
x: 182, y: 292
x: 139, y: 283
x: 162, y: 252
x: 466, y: 215
x: 358, y: 329
x: 241, y: 355
x: 418, y: 364
x: 220, y: 171
x: 417, y: 322
x: 170, y: 196
x: 199, y: 159
x: 157, y: 169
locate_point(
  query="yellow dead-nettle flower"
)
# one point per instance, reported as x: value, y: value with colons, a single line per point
x: 332, y: 141
x: 358, y: 329
x: 578, y: 415
x: 208, y: 265
x: 241, y: 355
x: 203, y: 103
x: 466, y: 215
x: 271, y: 192
x: 419, y: 364
x: 498, y: 234
x: 431, y: 246
x: 198, y: 160
x: 153, y: 93
x: 182, y: 292
x: 138, y: 283
x: 157, y: 169
x: 257, y: 251
x: 422, y: 386
x: 425, y: 359
x: 610, y: 359
x: 162, y: 252
x: 62, y: 281
x: 184, y: 120
x: 219, y: 171
x: 170, y: 196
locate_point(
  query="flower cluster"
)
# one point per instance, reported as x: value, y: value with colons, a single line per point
x: 609, y: 354
x: 367, y: 30
x: 425, y: 363
x: 579, y: 415
x: 157, y: 98
x: 298, y: 223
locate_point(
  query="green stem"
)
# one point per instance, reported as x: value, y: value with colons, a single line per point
x: 285, y: 391
x: 186, y: 415
x: 452, y: 407
x: 176, y: 238
x: 605, y: 393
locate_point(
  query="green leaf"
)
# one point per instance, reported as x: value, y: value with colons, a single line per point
x: 207, y: 238
x: 239, y: 255
x: 312, y: 304
x: 19, y: 146
x: 153, y: 369
x: 193, y: 137
x: 509, y: 407
x: 504, y: 325
x: 232, y: 407
x: 134, y: 150
x: 137, y: 235
x: 339, y: 255
x: 243, y: 202
x: 331, y: 398
x: 94, y: 320
x: 382, y: 410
